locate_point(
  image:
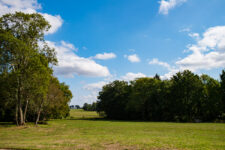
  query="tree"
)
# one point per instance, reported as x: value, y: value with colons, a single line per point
x: 57, y: 102
x: 89, y: 107
x: 77, y: 107
x: 222, y: 82
x: 147, y: 99
x: 24, y: 60
x: 185, y: 97
x: 113, y: 99
x: 211, y: 100
x: 186, y: 93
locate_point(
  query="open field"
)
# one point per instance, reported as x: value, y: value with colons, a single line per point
x: 79, y: 132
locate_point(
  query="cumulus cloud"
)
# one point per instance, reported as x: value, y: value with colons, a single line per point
x: 155, y: 61
x: 105, y: 56
x: 55, y: 22
x: 30, y: 6
x: 166, y: 5
x: 70, y: 64
x: 133, y: 58
x: 208, y: 52
x: 131, y: 76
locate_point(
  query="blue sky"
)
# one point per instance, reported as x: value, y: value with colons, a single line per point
x: 103, y: 40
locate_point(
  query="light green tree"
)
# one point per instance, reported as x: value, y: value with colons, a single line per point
x: 26, y: 58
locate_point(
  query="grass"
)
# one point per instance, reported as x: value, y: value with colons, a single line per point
x: 80, y: 132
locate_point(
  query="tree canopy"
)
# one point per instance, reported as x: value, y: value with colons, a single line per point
x: 26, y: 73
x: 186, y: 97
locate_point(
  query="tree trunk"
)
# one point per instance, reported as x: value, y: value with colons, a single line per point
x: 16, y: 115
x: 21, y: 115
x: 39, y: 112
x: 19, y: 103
x: 25, y: 112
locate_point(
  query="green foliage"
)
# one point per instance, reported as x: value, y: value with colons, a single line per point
x: 114, y: 97
x: 89, y: 107
x: 186, y: 97
x: 26, y: 70
x: 186, y: 93
x: 222, y: 78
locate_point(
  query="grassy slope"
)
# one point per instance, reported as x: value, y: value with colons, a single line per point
x: 80, y: 133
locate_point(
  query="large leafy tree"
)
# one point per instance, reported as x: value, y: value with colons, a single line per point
x: 186, y: 93
x: 222, y: 78
x: 147, y: 100
x: 113, y: 99
x: 211, y: 100
x: 24, y: 60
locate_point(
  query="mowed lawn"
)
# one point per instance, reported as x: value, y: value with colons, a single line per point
x: 80, y: 132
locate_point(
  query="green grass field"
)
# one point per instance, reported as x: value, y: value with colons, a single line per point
x: 80, y: 132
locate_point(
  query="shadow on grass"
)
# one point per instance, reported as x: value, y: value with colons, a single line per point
x: 111, y: 120
x: 122, y: 120
x: 6, y: 124
x: 15, y: 149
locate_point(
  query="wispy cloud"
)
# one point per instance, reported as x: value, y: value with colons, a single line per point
x: 131, y: 76
x: 155, y: 61
x: 69, y: 45
x: 167, y: 5
x: 104, y: 56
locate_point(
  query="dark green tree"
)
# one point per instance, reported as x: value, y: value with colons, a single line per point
x: 222, y: 82
x: 186, y: 93
x: 113, y: 99
x: 211, y: 100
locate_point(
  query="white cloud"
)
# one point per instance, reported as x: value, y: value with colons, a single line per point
x: 194, y: 35
x: 208, y: 52
x: 105, y: 56
x: 166, y: 5
x: 133, y: 58
x: 170, y: 74
x: 70, y: 64
x: 95, y: 86
x: 30, y: 6
x: 55, y: 22
x: 155, y: 61
x: 93, y: 89
x: 131, y: 76
x: 172, y: 70
x: 69, y: 45
x: 185, y: 29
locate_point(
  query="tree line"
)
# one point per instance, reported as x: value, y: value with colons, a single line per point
x: 90, y: 107
x: 28, y: 89
x: 186, y: 97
